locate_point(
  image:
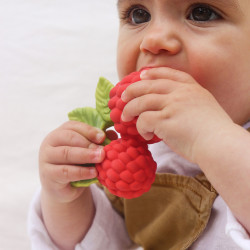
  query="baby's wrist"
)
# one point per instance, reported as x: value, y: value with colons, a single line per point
x: 65, y: 197
x: 209, y: 144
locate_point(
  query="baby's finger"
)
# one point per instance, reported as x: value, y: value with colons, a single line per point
x: 137, y: 106
x: 150, y: 122
x: 167, y: 73
x: 66, y: 137
x: 158, y: 86
x: 93, y: 134
x: 73, y: 155
x: 67, y: 173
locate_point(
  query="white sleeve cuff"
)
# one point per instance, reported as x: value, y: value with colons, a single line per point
x: 108, y: 230
x: 237, y: 232
x: 37, y: 231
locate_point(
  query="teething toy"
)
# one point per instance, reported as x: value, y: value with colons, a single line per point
x: 128, y: 169
x: 126, y: 129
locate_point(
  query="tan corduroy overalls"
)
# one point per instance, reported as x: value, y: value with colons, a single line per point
x: 172, y: 215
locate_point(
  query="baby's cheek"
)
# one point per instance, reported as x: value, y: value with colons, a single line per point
x: 127, y: 57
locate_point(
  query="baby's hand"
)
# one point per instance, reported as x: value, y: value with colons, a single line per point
x: 173, y: 106
x: 61, y: 155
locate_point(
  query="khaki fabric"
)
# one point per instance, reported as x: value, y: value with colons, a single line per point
x: 172, y: 215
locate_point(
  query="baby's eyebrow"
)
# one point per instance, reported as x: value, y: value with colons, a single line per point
x: 232, y: 5
x: 119, y: 2
x: 225, y: 3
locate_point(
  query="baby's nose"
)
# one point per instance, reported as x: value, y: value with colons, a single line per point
x: 159, y: 38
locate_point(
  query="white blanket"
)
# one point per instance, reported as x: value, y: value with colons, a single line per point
x: 52, y: 53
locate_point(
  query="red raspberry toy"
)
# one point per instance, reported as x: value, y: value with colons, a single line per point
x: 126, y: 129
x: 128, y: 170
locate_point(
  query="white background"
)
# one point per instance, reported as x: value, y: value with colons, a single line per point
x: 52, y: 53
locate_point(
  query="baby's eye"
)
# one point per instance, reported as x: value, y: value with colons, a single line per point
x: 203, y: 13
x: 139, y: 16
x: 135, y: 15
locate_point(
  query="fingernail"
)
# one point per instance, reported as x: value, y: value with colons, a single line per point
x: 123, y: 96
x: 124, y: 119
x: 98, y: 153
x: 143, y: 74
x: 99, y: 136
x: 93, y: 172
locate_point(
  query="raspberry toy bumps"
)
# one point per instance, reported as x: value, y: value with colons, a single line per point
x: 128, y: 169
x: 126, y: 129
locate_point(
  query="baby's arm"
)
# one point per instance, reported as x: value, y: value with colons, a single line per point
x: 67, y: 211
x: 172, y: 105
x: 225, y: 159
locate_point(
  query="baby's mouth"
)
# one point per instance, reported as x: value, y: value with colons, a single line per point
x: 148, y: 67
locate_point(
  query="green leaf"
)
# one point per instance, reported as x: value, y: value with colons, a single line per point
x: 84, y: 183
x: 99, y: 117
x: 88, y: 115
x: 102, y: 97
x: 106, y: 141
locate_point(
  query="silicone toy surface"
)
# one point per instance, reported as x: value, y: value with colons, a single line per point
x: 128, y: 169
x: 126, y: 129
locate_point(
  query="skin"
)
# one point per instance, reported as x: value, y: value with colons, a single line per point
x: 197, y: 93
x: 195, y: 98
x: 67, y: 211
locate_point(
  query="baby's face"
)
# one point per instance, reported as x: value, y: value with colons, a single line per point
x: 209, y: 39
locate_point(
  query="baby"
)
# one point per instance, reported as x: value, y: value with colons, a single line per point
x: 195, y: 96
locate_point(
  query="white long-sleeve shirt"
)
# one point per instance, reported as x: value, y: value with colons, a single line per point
x: 109, y: 232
